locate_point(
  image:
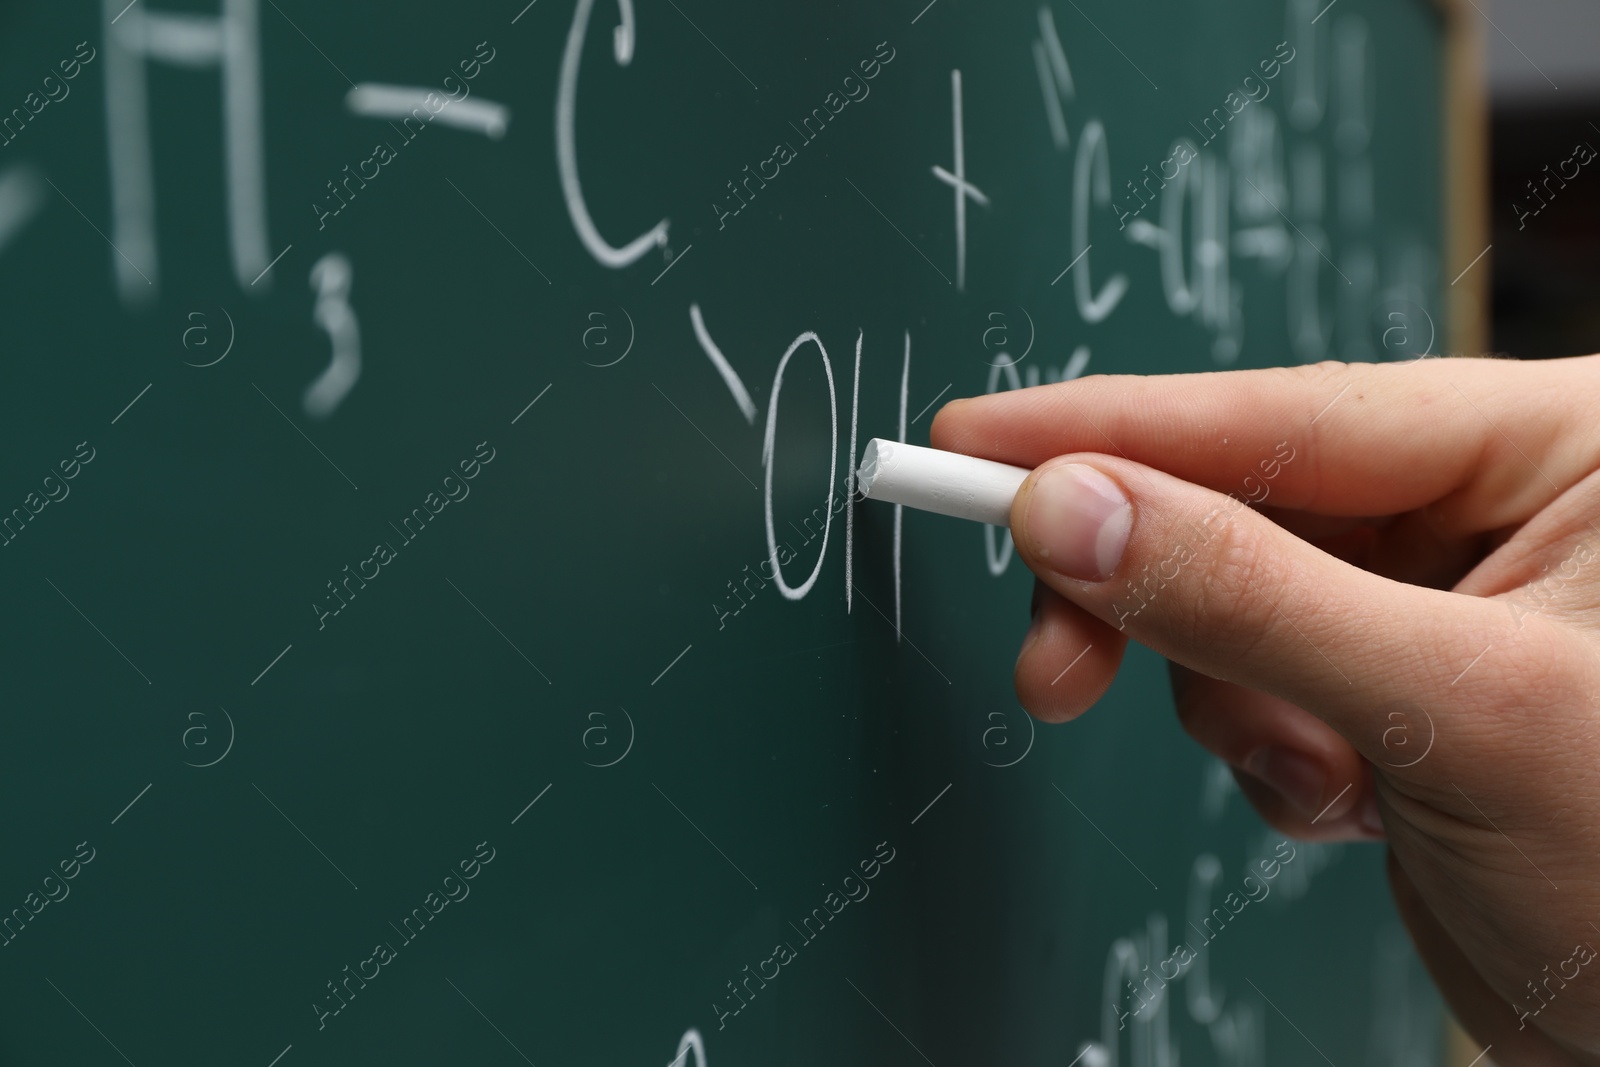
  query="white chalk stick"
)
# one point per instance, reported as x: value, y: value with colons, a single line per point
x: 944, y: 482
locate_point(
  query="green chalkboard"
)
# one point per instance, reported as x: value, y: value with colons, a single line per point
x: 406, y: 405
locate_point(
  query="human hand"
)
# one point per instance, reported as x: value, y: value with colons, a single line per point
x: 1400, y: 638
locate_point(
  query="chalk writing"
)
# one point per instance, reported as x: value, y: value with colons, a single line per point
x: 426, y: 106
x: 230, y: 41
x: 567, y: 140
x: 1055, y: 77
x: 768, y: 449
x: 957, y: 180
x: 331, y: 277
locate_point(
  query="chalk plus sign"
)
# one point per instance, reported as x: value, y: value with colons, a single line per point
x: 958, y: 181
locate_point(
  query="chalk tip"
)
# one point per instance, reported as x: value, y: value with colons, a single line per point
x: 867, y: 473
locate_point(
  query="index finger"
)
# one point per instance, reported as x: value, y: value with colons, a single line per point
x: 1487, y: 442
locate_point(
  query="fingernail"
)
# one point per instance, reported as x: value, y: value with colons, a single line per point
x: 1078, y: 521
x: 1299, y: 779
x: 1371, y: 818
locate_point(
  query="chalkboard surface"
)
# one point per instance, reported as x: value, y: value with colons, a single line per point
x: 439, y: 630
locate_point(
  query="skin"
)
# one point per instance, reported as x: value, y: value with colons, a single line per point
x: 1412, y: 609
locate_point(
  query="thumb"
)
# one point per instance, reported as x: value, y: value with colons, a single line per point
x: 1211, y: 584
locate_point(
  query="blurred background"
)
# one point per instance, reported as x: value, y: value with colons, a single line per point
x: 1543, y: 61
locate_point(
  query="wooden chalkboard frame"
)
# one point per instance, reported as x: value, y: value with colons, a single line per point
x: 1466, y: 233
x: 1466, y: 178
